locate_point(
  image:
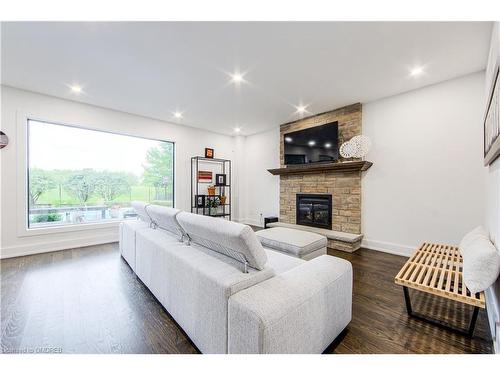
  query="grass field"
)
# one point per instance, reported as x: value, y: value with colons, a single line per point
x: 56, y: 197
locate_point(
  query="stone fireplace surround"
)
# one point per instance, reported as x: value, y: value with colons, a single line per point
x: 345, y: 187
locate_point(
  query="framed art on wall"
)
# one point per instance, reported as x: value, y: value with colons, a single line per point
x: 492, y: 124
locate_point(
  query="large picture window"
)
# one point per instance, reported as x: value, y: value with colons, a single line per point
x: 78, y: 176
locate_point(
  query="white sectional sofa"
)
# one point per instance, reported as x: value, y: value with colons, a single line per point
x: 230, y: 294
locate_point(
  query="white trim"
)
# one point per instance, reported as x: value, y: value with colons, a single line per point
x: 388, y: 247
x: 493, y: 318
x: 49, y: 246
x: 21, y: 175
x: 68, y: 228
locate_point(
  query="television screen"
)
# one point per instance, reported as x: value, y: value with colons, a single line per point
x: 313, y: 145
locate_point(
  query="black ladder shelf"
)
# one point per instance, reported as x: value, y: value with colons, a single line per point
x: 199, y: 189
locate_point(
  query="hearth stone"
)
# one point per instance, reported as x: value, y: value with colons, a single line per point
x: 336, y: 240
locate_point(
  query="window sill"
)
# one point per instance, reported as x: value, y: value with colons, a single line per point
x: 69, y: 228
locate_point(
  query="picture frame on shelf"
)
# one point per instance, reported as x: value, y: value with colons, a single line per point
x: 205, y: 177
x: 209, y: 153
x: 200, y: 201
x: 220, y: 179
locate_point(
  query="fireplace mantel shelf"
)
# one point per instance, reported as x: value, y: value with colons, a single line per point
x: 347, y: 166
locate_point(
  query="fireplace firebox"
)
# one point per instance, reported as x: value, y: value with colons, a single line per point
x: 314, y: 210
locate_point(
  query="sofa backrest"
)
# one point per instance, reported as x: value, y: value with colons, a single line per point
x: 140, y: 208
x: 235, y: 240
x: 165, y: 218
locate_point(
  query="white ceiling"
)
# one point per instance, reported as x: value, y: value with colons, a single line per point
x: 156, y: 68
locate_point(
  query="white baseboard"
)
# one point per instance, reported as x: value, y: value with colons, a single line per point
x: 388, y: 247
x: 46, y: 247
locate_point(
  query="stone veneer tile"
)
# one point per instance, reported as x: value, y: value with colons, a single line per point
x: 345, y: 187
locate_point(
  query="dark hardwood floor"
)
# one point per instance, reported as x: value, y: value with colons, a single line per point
x: 88, y: 300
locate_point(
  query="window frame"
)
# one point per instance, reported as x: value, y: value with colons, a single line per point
x: 23, y: 229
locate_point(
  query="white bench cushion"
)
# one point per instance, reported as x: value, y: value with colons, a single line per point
x: 481, y: 260
x: 296, y: 242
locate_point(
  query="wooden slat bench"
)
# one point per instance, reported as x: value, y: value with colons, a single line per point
x: 437, y: 269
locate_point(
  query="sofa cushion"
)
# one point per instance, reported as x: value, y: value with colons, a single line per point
x: 293, y: 241
x: 128, y: 230
x: 481, y: 261
x: 165, y: 218
x: 280, y: 262
x: 235, y: 240
x: 194, y: 284
x: 140, y: 208
x: 299, y: 311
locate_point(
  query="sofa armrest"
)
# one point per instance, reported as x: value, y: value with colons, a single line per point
x: 299, y: 311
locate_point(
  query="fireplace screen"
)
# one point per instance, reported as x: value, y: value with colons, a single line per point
x: 314, y: 210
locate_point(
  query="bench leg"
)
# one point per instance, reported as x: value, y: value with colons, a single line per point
x: 407, y: 301
x: 472, y: 324
x: 469, y: 332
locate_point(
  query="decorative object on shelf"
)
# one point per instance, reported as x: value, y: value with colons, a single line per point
x: 205, y: 177
x: 211, y: 190
x: 362, y: 145
x: 200, y: 201
x: 347, y: 150
x: 209, y: 153
x: 212, y: 205
x: 356, y: 147
x: 4, y: 140
x: 492, y: 124
x: 220, y: 180
x: 217, y: 198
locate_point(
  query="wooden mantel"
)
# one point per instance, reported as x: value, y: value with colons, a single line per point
x: 347, y: 166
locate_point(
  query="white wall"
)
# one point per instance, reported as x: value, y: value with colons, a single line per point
x: 189, y: 142
x: 427, y: 182
x: 260, y: 193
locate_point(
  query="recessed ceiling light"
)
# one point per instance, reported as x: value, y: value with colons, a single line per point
x: 288, y: 139
x: 178, y: 115
x: 301, y: 109
x: 418, y: 70
x: 237, y: 129
x: 76, y: 89
x: 311, y: 143
x: 237, y: 77
x: 328, y: 145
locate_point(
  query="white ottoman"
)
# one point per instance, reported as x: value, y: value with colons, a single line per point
x: 294, y: 242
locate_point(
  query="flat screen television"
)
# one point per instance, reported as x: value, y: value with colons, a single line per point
x: 314, y: 145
